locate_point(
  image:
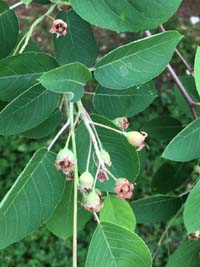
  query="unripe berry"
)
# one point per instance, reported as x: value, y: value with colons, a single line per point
x: 122, y: 123
x: 137, y: 139
x: 86, y: 181
x: 196, y: 170
x: 106, y: 158
x: 65, y: 160
x: 92, y: 202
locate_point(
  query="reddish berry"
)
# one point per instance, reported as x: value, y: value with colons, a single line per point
x: 59, y: 27
x: 124, y: 188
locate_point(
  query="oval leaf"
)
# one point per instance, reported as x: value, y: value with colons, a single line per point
x: 191, y: 213
x: 61, y: 221
x: 125, y: 160
x: 186, y: 255
x: 9, y: 29
x: 185, y: 145
x: 45, y: 128
x: 78, y: 45
x: 67, y: 79
x: 114, y: 246
x: 155, y: 209
x: 118, y: 211
x: 129, y: 15
x: 197, y: 70
x: 137, y: 62
x: 32, y: 198
x: 18, y: 73
x: 118, y: 103
x: 27, y: 110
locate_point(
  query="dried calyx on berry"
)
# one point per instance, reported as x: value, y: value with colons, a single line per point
x: 122, y: 123
x: 102, y: 175
x: 194, y: 236
x: 86, y: 181
x: 65, y: 160
x: 124, y: 188
x: 92, y: 201
x: 137, y: 139
x: 59, y: 27
x: 106, y: 158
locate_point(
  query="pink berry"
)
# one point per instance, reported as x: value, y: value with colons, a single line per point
x: 59, y: 27
x: 124, y: 188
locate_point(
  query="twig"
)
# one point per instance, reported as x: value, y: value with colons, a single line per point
x: 35, y: 23
x: 166, y: 231
x: 16, y: 5
x: 180, y: 85
x: 89, y: 155
x: 75, y: 214
x: 59, y: 134
x: 107, y: 127
x: 96, y: 217
x: 181, y: 56
x: 86, y: 121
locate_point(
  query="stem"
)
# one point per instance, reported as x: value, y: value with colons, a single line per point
x: 89, y: 155
x: 75, y: 188
x: 72, y: 129
x: 35, y: 23
x: 19, y: 44
x: 180, y: 56
x: 86, y: 121
x: 16, y: 5
x: 166, y: 231
x: 59, y: 134
x: 112, y: 175
x: 96, y: 217
x: 107, y: 127
x: 180, y: 85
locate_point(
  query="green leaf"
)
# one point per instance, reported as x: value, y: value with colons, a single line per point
x: 192, y: 210
x: 186, y: 255
x: 28, y: 110
x: 185, y: 145
x: 46, y: 127
x: 125, y: 160
x: 69, y: 78
x: 189, y: 84
x: 155, y: 209
x: 78, y: 45
x: 32, y: 198
x: 137, y: 62
x: 114, y: 246
x: 126, y: 15
x: 119, y: 212
x: 18, y: 73
x: 9, y: 29
x: 164, y: 128
x: 170, y: 176
x: 197, y: 69
x: 118, y: 103
x: 61, y: 221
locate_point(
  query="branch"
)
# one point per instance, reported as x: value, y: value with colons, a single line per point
x: 181, y: 56
x: 180, y: 85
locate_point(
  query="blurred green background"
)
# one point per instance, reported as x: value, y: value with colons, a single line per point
x: 42, y: 249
